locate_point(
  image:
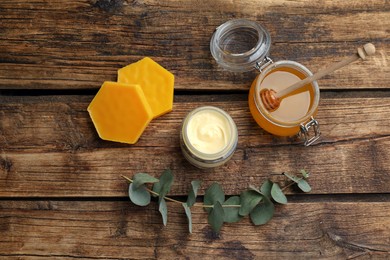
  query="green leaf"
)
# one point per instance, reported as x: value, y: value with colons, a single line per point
x: 251, y: 187
x: 164, y: 211
x: 263, y: 212
x: 189, y: 217
x: 249, y: 199
x: 277, y: 194
x: 231, y: 213
x: 139, y: 196
x: 213, y: 194
x: 291, y: 177
x: 304, y: 186
x: 141, y: 178
x: 216, y: 217
x: 164, y: 185
x: 305, y: 174
x: 193, y: 192
x: 265, y: 188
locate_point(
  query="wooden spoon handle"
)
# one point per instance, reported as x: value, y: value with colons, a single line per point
x: 368, y: 49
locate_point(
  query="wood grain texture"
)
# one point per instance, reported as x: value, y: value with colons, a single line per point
x: 80, y: 44
x: 62, y: 123
x: 61, y: 191
x: 120, y: 230
x: 49, y: 148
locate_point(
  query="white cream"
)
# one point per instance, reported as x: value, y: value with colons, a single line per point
x: 292, y: 108
x: 209, y: 131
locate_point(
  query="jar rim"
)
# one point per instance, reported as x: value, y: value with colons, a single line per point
x: 210, y: 157
x: 244, y: 61
x: 300, y: 68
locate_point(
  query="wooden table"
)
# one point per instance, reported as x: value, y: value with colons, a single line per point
x: 62, y: 194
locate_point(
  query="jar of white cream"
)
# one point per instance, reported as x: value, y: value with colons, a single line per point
x: 208, y: 137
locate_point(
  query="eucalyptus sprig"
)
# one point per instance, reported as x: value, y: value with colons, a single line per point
x: 257, y: 202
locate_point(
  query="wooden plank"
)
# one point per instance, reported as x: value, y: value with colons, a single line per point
x: 119, y: 230
x: 49, y: 148
x: 40, y: 51
x: 360, y: 166
x: 62, y: 123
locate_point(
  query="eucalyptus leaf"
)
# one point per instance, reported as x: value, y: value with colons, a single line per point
x: 251, y: 187
x: 164, y: 185
x: 304, y: 186
x: 141, y: 178
x: 193, y: 192
x: 291, y: 177
x: 265, y: 188
x: 277, y: 194
x: 263, y: 212
x: 139, y: 196
x: 164, y: 211
x: 213, y: 194
x: 304, y: 173
x: 231, y: 213
x: 216, y: 217
x: 189, y: 216
x: 249, y: 199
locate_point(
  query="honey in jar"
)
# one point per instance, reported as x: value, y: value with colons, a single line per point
x: 241, y: 45
x: 296, y: 110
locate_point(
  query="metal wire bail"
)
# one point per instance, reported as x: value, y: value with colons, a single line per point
x: 304, y: 133
x: 263, y: 64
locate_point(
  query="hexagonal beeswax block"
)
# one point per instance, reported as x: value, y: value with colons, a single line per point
x: 156, y: 82
x: 120, y: 112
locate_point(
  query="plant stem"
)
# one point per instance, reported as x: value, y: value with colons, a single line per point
x: 153, y: 192
x: 293, y: 181
x: 173, y: 200
x: 180, y: 202
x: 289, y: 185
x: 128, y: 179
x: 211, y: 206
x: 231, y: 206
x: 200, y: 205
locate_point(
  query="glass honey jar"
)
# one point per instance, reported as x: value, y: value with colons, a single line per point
x: 241, y: 45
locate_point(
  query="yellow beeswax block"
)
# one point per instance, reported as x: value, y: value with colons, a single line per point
x: 120, y: 112
x: 156, y: 82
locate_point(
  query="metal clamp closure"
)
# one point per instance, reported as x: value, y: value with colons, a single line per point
x: 263, y: 64
x: 304, y: 133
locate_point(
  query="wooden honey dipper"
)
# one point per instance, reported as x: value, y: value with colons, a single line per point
x: 271, y: 99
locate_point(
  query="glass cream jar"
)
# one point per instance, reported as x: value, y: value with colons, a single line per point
x: 241, y: 45
x: 208, y: 137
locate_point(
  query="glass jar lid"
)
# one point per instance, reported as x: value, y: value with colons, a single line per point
x: 239, y: 44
